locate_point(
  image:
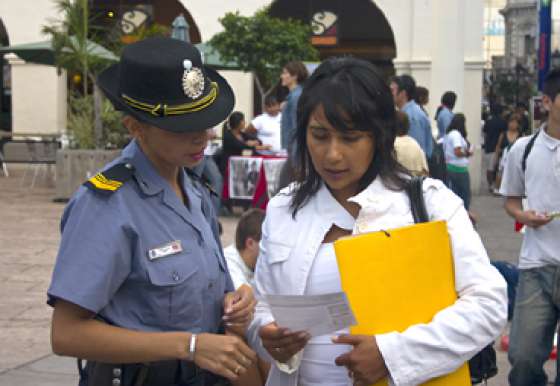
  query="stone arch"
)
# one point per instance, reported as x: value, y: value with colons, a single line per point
x: 159, y: 11
x: 362, y: 29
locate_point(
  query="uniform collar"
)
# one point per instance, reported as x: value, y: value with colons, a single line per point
x: 547, y: 140
x: 330, y: 208
x: 149, y: 180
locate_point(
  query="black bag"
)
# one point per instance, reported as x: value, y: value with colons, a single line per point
x: 436, y: 163
x: 483, y: 365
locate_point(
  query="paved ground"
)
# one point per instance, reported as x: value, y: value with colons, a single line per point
x: 29, y: 238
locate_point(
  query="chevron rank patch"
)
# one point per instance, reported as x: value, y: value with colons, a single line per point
x: 110, y: 180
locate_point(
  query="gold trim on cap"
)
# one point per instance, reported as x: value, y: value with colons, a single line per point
x: 162, y: 109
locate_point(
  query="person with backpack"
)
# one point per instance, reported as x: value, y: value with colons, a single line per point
x: 444, y: 113
x: 533, y: 171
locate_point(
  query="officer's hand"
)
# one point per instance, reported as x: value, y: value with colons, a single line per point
x: 281, y: 343
x: 364, y: 362
x: 223, y: 355
x: 239, y: 307
x: 533, y: 219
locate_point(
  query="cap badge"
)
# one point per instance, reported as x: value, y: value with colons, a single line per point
x: 193, y: 80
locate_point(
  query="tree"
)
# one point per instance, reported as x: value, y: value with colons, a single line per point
x: 74, y: 51
x: 263, y: 45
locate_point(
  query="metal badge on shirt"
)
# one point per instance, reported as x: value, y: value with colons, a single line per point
x: 171, y: 248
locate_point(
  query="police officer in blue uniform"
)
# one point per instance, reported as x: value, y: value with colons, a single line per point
x: 140, y: 288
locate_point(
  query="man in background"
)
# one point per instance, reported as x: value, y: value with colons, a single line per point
x: 403, y: 88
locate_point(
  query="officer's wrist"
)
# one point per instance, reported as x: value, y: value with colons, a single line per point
x: 182, y: 347
x: 191, y: 347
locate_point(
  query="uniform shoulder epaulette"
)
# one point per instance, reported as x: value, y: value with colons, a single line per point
x: 111, y: 179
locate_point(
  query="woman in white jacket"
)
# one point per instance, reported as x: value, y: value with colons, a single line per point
x: 348, y: 181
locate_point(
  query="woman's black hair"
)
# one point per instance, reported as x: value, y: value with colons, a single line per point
x: 235, y: 119
x: 354, y: 96
x: 458, y: 122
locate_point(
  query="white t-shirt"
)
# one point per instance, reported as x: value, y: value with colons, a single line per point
x: 540, y: 183
x: 317, y: 364
x: 238, y: 270
x: 453, y: 140
x: 268, y: 130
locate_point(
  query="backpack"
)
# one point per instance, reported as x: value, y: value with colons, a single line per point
x: 483, y: 365
x: 436, y: 162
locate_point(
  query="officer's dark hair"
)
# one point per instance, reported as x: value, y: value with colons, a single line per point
x: 551, y: 86
x: 403, y: 124
x: 249, y: 226
x: 354, y: 96
x: 407, y: 84
x: 448, y: 99
x: 297, y: 69
x: 270, y: 100
x: 235, y: 119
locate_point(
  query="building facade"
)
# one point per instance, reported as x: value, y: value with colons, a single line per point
x: 439, y: 42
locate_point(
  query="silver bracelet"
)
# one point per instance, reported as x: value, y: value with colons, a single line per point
x: 192, y: 347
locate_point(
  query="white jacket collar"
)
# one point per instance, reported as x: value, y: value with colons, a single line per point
x: 330, y: 209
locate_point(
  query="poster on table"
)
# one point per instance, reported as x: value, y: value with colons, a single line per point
x: 272, y: 169
x: 243, y: 177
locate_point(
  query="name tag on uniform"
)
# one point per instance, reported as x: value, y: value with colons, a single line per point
x: 168, y: 249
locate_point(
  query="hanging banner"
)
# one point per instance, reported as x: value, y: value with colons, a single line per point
x: 545, y: 31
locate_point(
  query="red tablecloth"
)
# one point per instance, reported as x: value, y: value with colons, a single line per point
x: 260, y: 197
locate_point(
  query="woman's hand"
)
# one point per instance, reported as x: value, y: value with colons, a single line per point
x: 223, y: 355
x: 281, y: 343
x: 239, y: 307
x: 364, y: 362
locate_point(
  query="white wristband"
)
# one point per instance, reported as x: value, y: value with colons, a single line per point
x: 192, y: 347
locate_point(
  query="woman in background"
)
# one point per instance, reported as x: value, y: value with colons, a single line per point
x: 457, y: 153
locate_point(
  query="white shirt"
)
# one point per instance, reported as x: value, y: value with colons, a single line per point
x: 541, y: 184
x: 451, y: 141
x: 289, y: 247
x: 239, y: 271
x: 268, y: 130
x: 316, y: 367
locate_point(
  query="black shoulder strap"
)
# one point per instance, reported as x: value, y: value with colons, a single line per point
x: 416, y: 196
x: 528, y: 150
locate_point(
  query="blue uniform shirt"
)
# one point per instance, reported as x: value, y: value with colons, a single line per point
x: 420, y: 128
x: 109, y: 258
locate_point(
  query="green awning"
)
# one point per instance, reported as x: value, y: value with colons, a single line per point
x: 43, y: 52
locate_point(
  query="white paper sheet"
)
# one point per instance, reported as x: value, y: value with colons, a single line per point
x: 316, y: 314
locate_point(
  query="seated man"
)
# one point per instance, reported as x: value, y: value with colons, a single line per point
x: 241, y: 259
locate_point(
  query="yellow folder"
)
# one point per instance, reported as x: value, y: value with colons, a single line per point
x: 398, y: 278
